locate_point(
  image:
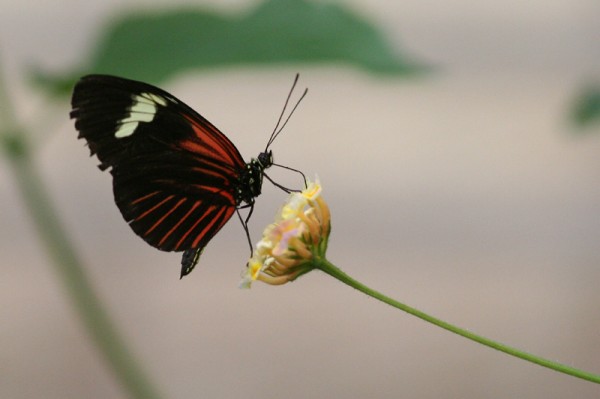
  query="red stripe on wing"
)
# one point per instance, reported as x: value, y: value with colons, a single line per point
x: 176, y: 226
x: 164, y: 216
x: 203, y: 236
x: 212, y: 228
x: 145, y: 197
x: 212, y: 144
x: 155, y: 207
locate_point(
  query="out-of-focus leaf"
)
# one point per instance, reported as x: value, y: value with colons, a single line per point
x: 154, y: 46
x: 586, y: 110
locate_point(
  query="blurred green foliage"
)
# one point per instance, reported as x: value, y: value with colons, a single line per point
x: 154, y: 46
x: 586, y: 108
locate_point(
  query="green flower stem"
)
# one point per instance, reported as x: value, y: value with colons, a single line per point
x: 327, y: 267
x: 63, y: 256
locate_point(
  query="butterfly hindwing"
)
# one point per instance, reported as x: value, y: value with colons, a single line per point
x: 175, y: 175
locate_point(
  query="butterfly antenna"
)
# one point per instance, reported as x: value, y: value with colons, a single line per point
x: 279, y: 128
x: 287, y: 100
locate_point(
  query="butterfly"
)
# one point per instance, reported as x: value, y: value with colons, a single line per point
x: 177, y: 179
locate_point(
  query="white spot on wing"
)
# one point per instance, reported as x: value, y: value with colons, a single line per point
x: 142, y: 109
x: 157, y: 99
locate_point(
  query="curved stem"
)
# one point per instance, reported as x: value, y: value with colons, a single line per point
x: 63, y: 256
x: 335, y: 272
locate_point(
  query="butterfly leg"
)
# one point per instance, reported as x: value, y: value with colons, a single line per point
x: 245, y: 224
x: 293, y: 170
x: 287, y: 190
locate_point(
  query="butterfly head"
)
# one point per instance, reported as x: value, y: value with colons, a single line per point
x: 265, y: 159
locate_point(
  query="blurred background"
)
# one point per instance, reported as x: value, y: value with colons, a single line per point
x: 466, y: 192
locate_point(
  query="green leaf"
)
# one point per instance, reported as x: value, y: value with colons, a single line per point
x: 154, y: 46
x: 586, y: 109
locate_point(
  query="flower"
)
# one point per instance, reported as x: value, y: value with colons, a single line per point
x: 290, y: 245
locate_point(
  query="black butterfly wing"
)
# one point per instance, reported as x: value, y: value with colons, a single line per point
x: 175, y: 175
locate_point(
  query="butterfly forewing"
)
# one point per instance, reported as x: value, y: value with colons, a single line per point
x: 175, y: 175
